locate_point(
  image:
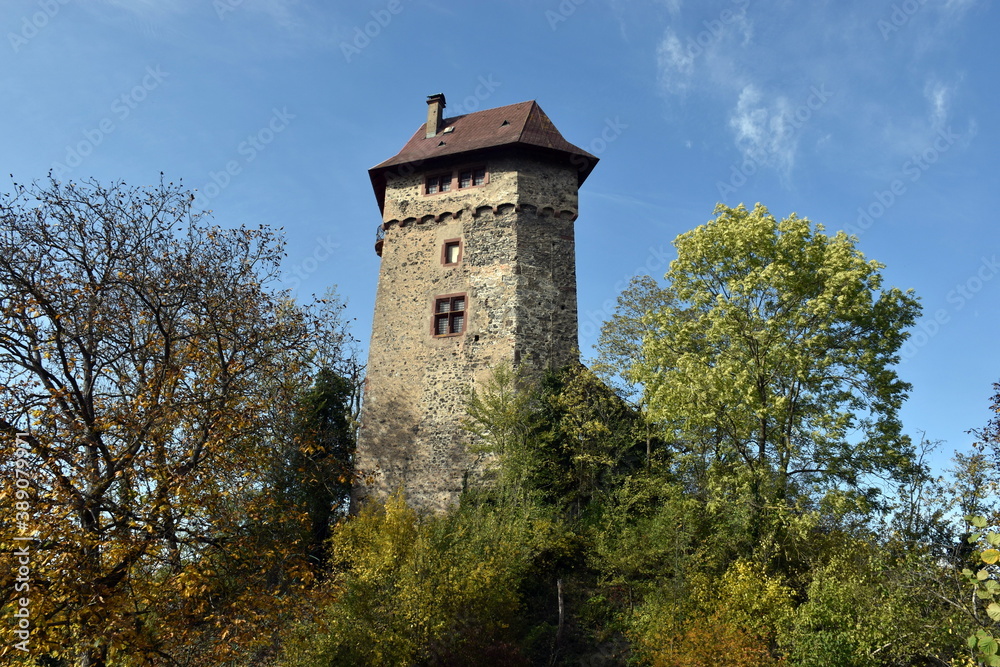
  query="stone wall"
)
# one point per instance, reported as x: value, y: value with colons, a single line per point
x: 517, y: 271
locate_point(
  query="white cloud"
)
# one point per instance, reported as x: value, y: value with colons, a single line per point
x: 676, y: 63
x: 278, y: 12
x: 938, y: 96
x: 764, y: 131
x: 673, y: 6
x: 958, y: 6
x: 704, y: 50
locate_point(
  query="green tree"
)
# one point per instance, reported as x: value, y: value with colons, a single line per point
x: 314, y: 477
x: 985, y: 584
x: 774, y: 352
x: 434, y: 590
x: 620, y: 344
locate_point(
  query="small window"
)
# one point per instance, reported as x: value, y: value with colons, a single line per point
x: 438, y: 183
x: 449, y: 315
x: 468, y: 178
x: 451, y: 253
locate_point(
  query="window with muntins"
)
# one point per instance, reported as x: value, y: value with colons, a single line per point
x: 449, y: 315
x: 467, y: 177
x: 438, y: 183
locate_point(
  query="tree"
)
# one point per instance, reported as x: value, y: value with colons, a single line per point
x: 143, y: 356
x: 315, y: 475
x: 619, y: 347
x: 435, y: 590
x: 985, y: 608
x: 774, y: 351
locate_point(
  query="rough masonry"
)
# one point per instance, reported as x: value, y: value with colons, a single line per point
x: 477, y: 268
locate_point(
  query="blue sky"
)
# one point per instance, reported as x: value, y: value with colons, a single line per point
x: 876, y: 117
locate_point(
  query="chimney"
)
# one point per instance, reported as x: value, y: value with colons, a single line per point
x: 435, y: 111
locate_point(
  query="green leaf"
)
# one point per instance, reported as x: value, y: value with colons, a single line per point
x: 972, y: 642
x: 988, y: 645
x: 993, y: 611
x: 991, y: 556
x: 974, y: 538
x: 982, y: 575
x: 977, y: 521
x: 993, y: 660
x: 993, y: 539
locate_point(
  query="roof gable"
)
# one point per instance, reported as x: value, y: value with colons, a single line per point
x: 523, y: 124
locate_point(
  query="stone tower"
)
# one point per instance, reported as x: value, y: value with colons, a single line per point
x: 477, y: 269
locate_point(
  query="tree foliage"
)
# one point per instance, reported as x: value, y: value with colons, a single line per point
x: 775, y: 350
x: 438, y: 590
x: 146, y: 358
x: 620, y: 345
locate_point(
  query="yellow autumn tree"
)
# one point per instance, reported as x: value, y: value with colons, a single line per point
x: 147, y: 369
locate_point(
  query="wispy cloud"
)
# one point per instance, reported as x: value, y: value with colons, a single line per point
x: 676, y: 64
x: 673, y: 6
x: 763, y: 131
x: 742, y: 64
x: 938, y: 96
x: 286, y: 14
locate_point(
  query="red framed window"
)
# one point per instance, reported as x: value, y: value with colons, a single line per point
x: 438, y: 183
x: 449, y: 315
x: 471, y: 177
x: 451, y: 252
x: 467, y: 177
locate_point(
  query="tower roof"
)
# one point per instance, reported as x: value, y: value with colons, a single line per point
x: 523, y: 124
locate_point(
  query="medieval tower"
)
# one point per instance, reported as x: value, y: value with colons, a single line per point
x: 477, y: 269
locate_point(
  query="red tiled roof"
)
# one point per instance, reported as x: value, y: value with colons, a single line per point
x: 517, y: 124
